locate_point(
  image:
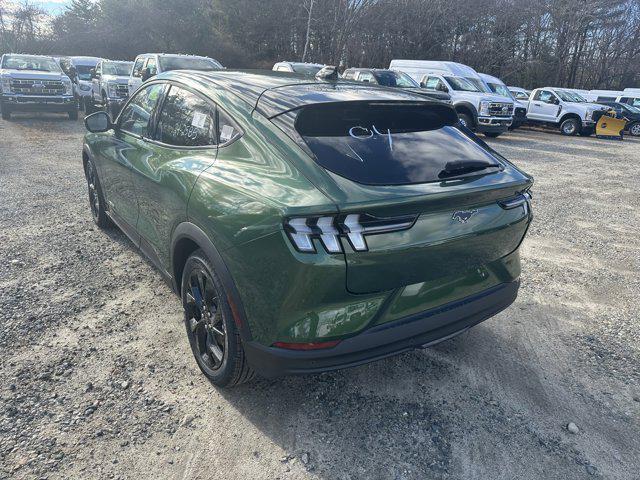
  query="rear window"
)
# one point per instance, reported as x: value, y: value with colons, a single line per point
x: 389, y: 144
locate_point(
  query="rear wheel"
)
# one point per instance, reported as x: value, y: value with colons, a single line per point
x: 96, y: 199
x: 213, y: 336
x: 634, y: 129
x: 571, y: 126
x: 466, y: 120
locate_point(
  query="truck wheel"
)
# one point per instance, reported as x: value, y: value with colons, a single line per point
x: 211, y: 330
x: 570, y: 126
x: 492, y: 134
x: 73, y: 114
x: 466, y: 120
x: 6, y: 114
x: 634, y: 129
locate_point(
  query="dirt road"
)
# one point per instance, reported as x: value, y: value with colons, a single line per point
x: 97, y: 378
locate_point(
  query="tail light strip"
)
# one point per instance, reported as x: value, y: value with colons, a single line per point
x: 355, y: 227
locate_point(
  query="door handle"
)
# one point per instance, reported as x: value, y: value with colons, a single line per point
x: 537, y: 105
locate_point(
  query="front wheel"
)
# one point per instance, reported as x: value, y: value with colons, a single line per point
x: 212, y: 333
x: 492, y: 134
x: 96, y: 198
x: 466, y: 120
x: 634, y: 129
x: 570, y: 127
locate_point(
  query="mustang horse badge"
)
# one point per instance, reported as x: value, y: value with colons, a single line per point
x: 463, y: 216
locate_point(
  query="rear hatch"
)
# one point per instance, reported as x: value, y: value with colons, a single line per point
x: 420, y: 198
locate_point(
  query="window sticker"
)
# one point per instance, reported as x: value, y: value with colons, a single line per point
x: 199, y: 119
x: 226, y: 133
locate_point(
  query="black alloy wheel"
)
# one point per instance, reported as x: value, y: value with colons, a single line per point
x: 96, y: 199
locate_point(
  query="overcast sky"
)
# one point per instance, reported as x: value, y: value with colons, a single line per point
x: 52, y: 6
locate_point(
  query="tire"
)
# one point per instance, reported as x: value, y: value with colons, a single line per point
x: 6, y: 114
x: 466, y: 120
x: 492, y: 134
x: 634, y: 129
x: 89, y: 107
x: 73, y: 114
x: 570, y: 127
x: 96, y: 198
x: 212, y: 333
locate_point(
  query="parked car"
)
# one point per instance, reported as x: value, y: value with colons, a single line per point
x: 628, y: 112
x: 495, y: 85
x: 563, y: 109
x: 293, y: 219
x: 109, y: 86
x: 630, y: 96
x: 150, y: 64
x: 35, y: 83
x: 391, y: 78
x: 520, y: 94
x: 78, y: 69
x: 477, y: 109
x: 298, y: 67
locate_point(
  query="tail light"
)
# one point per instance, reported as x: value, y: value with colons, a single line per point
x: 354, y: 227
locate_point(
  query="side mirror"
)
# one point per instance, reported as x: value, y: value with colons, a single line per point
x: 73, y: 74
x: 443, y: 88
x: 146, y: 74
x: 423, y: 84
x: 92, y: 72
x: 98, y: 122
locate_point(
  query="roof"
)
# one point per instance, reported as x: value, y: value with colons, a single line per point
x: 273, y: 93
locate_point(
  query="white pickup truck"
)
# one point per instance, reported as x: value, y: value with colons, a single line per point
x: 563, y: 109
x: 477, y: 108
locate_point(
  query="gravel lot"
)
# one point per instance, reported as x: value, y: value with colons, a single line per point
x: 97, y: 379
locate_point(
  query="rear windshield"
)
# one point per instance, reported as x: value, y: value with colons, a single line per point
x: 390, y: 144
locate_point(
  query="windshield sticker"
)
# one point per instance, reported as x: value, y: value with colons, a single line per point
x: 363, y: 133
x: 199, y: 119
x: 226, y: 133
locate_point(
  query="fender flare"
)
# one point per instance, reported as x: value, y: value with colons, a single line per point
x: 190, y: 231
x: 468, y: 106
x: 568, y: 115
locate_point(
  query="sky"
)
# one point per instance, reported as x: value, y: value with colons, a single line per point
x: 52, y: 6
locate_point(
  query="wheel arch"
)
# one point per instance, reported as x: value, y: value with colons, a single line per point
x: 469, y: 109
x: 187, y: 238
x: 568, y: 115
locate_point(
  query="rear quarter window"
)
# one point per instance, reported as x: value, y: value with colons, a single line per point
x: 387, y: 144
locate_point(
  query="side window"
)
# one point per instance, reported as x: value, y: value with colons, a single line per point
x: 228, y: 131
x: 546, y: 97
x: 152, y: 66
x: 137, y: 68
x: 366, y: 77
x: 186, y: 120
x: 348, y: 75
x: 431, y: 83
x: 136, y: 115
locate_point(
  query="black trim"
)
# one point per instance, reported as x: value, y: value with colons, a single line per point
x: 420, y: 330
x: 188, y: 230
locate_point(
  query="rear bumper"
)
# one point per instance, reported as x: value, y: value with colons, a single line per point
x: 419, y: 330
x: 24, y: 103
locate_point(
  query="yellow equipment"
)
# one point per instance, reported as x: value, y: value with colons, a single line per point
x: 608, y: 126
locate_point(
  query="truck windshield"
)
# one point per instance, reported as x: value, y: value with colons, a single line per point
x: 462, y: 84
x: 395, y: 143
x: 568, y: 96
x: 390, y: 78
x: 188, y: 63
x: 500, y: 90
x: 306, y: 69
x: 120, y: 69
x: 25, y: 62
x: 83, y: 71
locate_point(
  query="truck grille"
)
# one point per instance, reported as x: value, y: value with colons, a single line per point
x: 37, y: 87
x: 501, y: 109
x: 122, y: 90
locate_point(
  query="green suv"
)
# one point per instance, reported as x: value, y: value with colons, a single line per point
x: 308, y: 225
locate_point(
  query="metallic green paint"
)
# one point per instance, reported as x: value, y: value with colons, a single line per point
x: 239, y: 195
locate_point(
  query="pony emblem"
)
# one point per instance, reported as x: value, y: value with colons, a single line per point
x: 463, y: 216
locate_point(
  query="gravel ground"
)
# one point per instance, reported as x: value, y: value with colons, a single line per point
x: 97, y: 379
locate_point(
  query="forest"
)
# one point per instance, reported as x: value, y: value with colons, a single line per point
x: 574, y: 43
